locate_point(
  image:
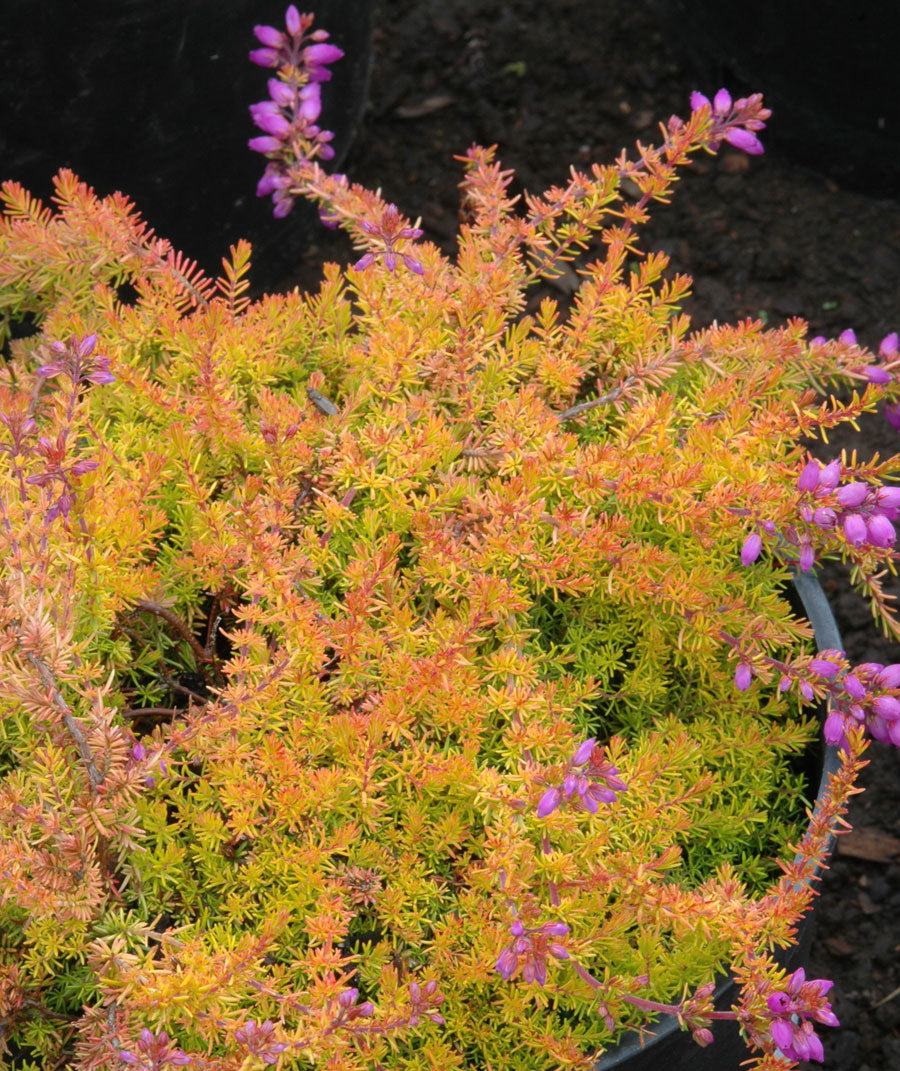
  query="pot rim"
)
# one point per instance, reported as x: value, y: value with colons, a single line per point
x: 827, y: 636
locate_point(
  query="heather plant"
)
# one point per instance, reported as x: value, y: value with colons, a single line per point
x: 395, y: 678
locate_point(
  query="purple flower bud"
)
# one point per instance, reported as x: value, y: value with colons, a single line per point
x: 889, y: 676
x: 890, y: 344
x: 855, y: 529
x: 722, y: 101
x: 584, y: 752
x: 348, y: 998
x: 276, y: 125
x: 698, y: 101
x: 848, y: 337
x: 516, y: 928
x: 139, y: 752
x: 825, y: 517
x: 744, y: 140
x: 555, y: 929
x: 819, y: 340
x: 281, y: 93
x: 265, y: 57
x: 506, y: 964
x: 888, y: 496
x: 852, y: 495
x: 807, y: 557
x: 880, y: 531
x: 784, y: 684
x: 876, y: 374
x: 364, y: 262
x: 549, y: 802
x: 830, y: 476
x: 853, y: 686
x: 742, y: 677
x: 269, y: 36
x: 557, y: 950
x: 264, y: 144
x: 809, y: 477
x: 751, y: 548
x: 806, y: 690
x: 101, y: 376
x: 270, y: 182
x: 822, y: 667
x: 413, y: 264
x: 86, y: 345
x: 886, y: 707
x: 292, y: 20
x: 833, y: 729
x: 318, y: 54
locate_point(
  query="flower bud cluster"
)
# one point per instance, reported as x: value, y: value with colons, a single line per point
x: 863, y: 513
x: 349, y: 1009
x: 289, y: 117
x: 793, y: 1011
x: 77, y: 360
x: 529, y: 949
x: 154, y: 1052
x: 868, y: 696
x: 598, y: 782
x: 889, y: 350
x: 258, y: 1040
x: 389, y: 231
x: 423, y: 1000
x: 734, y: 121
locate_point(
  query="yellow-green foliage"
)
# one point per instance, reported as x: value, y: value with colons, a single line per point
x: 282, y: 691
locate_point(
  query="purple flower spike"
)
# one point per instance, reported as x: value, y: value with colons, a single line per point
x: 793, y: 1013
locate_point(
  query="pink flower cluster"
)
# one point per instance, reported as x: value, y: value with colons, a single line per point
x: 734, y: 121
x: 258, y: 1039
x: 289, y: 117
x: 529, y: 949
x: 865, y: 514
x: 423, y: 1000
x: 793, y: 1011
x: 77, y: 360
x: 888, y: 350
x: 155, y: 1052
x: 598, y: 783
x: 389, y: 232
x: 869, y: 696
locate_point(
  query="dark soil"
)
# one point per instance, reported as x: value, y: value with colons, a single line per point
x: 573, y: 81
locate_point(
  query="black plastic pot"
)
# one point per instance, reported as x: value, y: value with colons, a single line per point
x: 150, y: 97
x: 665, y: 1046
x: 827, y: 69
